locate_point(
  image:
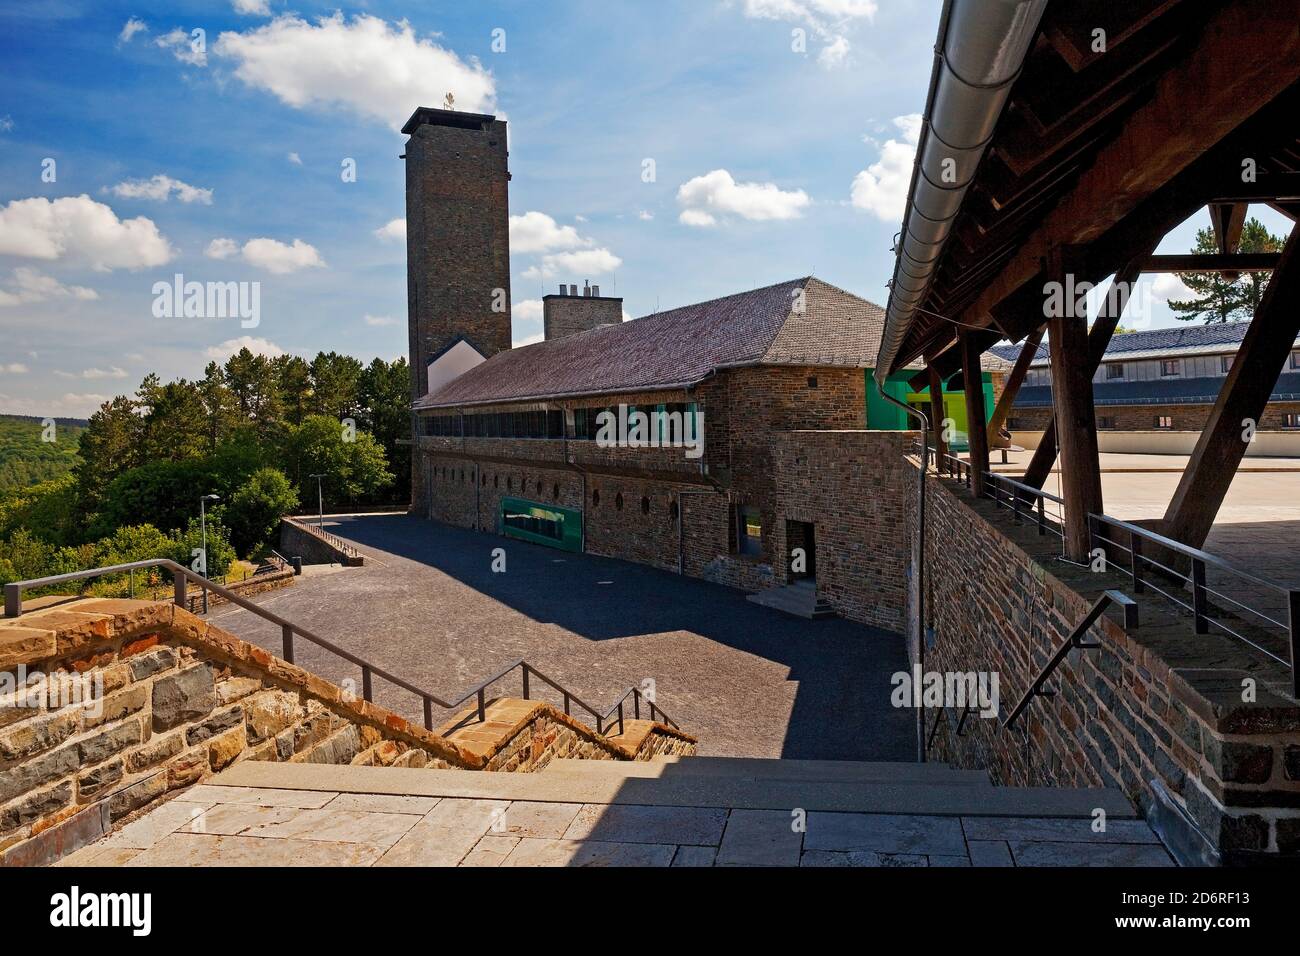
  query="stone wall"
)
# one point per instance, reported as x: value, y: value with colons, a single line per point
x: 1144, y: 417
x: 257, y: 584
x: 1157, y: 712
x: 298, y: 539
x: 150, y: 699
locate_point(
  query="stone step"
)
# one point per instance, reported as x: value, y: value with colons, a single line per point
x: 737, y: 793
x: 756, y: 768
x: 800, y: 600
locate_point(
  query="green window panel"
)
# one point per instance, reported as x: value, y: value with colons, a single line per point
x: 532, y: 521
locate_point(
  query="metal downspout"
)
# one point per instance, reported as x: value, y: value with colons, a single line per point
x: 919, y: 635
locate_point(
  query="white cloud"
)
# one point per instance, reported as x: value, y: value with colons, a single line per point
x: 80, y: 229
x: 380, y: 321
x: 6, y: 124
x: 585, y: 262
x: 527, y: 310
x: 258, y: 8
x: 528, y: 340
x: 295, y: 159
x: 881, y: 188
x: 538, y: 232
x: 190, y: 50
x: 826, y: 18
x: 95, y: 373
x: 14, y: 368
x: 1169, y: 285
x: 160, y: 188
x: 270, y: 255
x: 392, y: 231
x: 705, y: 197
x: 375, y: 69
x: 30, y: 285
x: 257, y: 346
x: 129, y: 29
x: 645, y: 215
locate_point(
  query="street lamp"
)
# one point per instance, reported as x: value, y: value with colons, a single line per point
x: 320, y: 502
x: 203, y: 526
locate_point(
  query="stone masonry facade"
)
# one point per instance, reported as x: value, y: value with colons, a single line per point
x: 1157, y: 712
x: 138, y: 700
x: 1141, y: 418
x: 787, y: 441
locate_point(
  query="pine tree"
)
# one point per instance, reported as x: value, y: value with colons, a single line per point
x: 1218, y: 299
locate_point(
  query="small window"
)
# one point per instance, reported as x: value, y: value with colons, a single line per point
x: 1106, y: 421
x: 1015, y: 424
x: 1291, y: 420
x: 1295, y: 359
x: 812, y: 381
x: 645, y: 505
x: 749, y: 527
x: 595, y: 498
x: 1115, y: 370
x: 1225, y: 362
x: 496, y: 481
x: 1164, y: 421
x: 555, y: 491
x: 618, y: 501
x: 1170, y: 367
x: 510, y: 483
x: 672, y: 509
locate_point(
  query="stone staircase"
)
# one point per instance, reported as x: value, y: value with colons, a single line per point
x: 799, y: 599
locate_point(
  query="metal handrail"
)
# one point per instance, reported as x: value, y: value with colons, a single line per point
x: 1200, y: 592
x: 181, y: 575
x: 1026, y: 500
x: 320, y: 532
x: 1070, y: 643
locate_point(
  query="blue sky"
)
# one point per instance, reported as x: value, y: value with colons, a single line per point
x: 772, y: 158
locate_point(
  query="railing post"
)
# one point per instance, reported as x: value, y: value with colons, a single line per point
x: 1293, y: 625
x: 525, y: 669
x: 566, y: 703
x: 1042, y: 514
x: 1135, y: 560
x: 636, y: 704
x: 620, y: 717
x: 286, y: 639
x: 178, y: 588
x: 1015, y: 506
x: 130, y: 584
x: 365, y: 684
x: 1199, y: 604
x: 428, y: 714
x: 13, y: 600
x: 482, y: 705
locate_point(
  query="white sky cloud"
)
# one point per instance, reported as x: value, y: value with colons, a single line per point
x: 190, y: 50
x: 538, y: 232
x: 827, y: 19
x: 80, y: 230
x: 380, y: 321
x: 161, y: 188
x: 834, y: 53
x: 392, y: 231
x: 258, y: 8
x: 257, y: 346
x: 366, y: 65
x: 881, y: 188
x: 527, y: 310
x: 95, y: 373
x: 13, y: 368
x: 716, y: 193
x: 584, y: 262
x: 271, y: 255
x: 30, y: 285
x: 295, y: 159
x: 1168, y: 285
x: 129, y: 29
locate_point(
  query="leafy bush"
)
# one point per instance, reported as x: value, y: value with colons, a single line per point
x: 256, y: 507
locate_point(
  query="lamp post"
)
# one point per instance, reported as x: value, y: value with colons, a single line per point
x: 203, y: 526
x: 320, y: 502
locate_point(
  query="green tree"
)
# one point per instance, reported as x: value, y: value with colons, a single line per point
x: 256, y: 507
x: 109, y: 446
x: 385, y: 396
x: 252, y: 380
x: 352, y: 469
x: 336, y: 383
x: 220, y: 408
x: 294, y: 383
x: 175, y: 423
x: 1217, y: 298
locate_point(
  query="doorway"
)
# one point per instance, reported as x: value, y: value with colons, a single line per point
x: 801, y: 540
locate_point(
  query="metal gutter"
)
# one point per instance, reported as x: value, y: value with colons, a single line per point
x: 980, y: 51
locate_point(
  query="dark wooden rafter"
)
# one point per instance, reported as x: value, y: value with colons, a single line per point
x: 937, y: 414
x: 1099, y: 336
x: 1012, y: 387
x: 1242, y: 399
x: 1228, y: 219
x: 976, y: 437
x: 1234, y: 263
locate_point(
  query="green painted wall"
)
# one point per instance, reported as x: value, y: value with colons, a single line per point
x: 882, y: 415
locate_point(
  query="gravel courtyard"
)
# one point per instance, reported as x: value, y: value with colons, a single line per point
x: 749, y: 681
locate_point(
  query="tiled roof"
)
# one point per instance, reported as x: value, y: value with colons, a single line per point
x: 681, y: 347
x: 1213, y: 339
x: 1166, y: 391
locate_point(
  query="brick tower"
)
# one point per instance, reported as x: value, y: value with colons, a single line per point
x: 457, y: 235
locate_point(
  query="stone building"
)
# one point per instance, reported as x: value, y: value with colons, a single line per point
x: 1155, y: 389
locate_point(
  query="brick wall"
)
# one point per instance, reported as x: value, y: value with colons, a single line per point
x: 566, y: 314
x: 1144, y: 417
x: 1157, y: 713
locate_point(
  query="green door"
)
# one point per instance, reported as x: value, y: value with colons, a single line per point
x: 541, y: 524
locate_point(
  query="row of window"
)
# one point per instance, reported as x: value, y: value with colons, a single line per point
x: 1164, y: 422
x: 671, y: 421
x: 538, y: 488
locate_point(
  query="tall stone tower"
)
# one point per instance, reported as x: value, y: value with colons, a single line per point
x: 457, y: 235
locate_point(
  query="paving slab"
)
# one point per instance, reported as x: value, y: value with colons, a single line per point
x: 191, y: 849
x: 426, y: 845
x: 99, y: 855
x: 474, y: 816
x: 885, y: 833
x: 156, y: 824
x: 525, y: 818
x: 261, y: 796
x: 532, y: 852
x: 760, y: 838
x: 989, y: 853
x: 383, y: 803
x: 229, y: 819
x: 637, y: 824
x: 338, y: 826
x: 1064, y: 831
x: 1089, y: 854
x: 491, y: 850
x: 695, y: 856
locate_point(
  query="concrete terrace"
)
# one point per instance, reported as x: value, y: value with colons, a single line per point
x: 748, y: 681
x: 692, y: 812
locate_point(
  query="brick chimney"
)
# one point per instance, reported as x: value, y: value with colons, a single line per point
x: 573, y: 310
